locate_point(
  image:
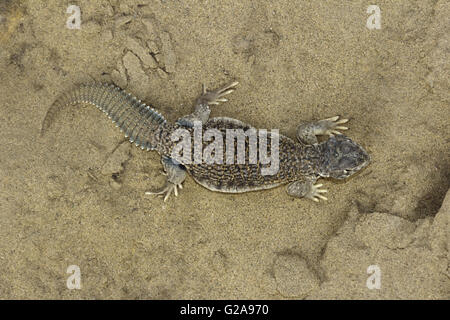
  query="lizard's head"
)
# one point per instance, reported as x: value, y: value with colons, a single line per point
x: 341, y: 157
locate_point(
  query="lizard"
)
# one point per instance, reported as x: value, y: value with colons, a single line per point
x: 300, y: 163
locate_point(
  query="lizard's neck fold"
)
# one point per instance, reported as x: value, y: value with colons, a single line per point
x: 308, y: 159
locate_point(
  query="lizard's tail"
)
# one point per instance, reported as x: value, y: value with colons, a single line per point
x: 140, y: 123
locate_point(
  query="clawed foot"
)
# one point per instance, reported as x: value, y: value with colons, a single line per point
x: 216, y: 96
x: 175, y: 176
x: 203, y: 103
x: 315, y: 193
x: 332, y: 125
x: 306, y: 189
x: 307, y: 132
x: 166, y: 190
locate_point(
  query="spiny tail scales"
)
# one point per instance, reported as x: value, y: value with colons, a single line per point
x: 140, y: 123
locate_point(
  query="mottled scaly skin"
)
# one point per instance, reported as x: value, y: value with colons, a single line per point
x: 142, y: 124
x: 148, y: 129
x: 300, y: 163
x: 295, y: 161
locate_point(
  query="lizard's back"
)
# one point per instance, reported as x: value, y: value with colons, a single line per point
x: 293, y: 161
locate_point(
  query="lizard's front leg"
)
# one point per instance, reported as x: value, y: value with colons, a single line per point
x: 207, y: 98
x: 306, y: 189
x: 307, y: 132
x: 176, y: 173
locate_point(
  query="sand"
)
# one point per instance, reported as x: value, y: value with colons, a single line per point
x: 76, y: 195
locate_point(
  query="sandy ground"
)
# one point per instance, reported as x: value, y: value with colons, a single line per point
x: 76, y: 195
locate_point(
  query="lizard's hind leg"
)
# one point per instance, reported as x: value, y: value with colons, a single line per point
x: 307, y: 132
x: 207, y: 98
x: 176, y: 173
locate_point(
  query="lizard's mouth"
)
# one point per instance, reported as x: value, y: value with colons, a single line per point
x: 360, y: 161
